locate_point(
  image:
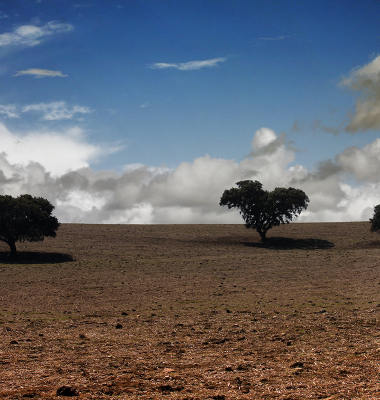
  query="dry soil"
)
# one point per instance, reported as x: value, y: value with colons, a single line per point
x: 192, y: 312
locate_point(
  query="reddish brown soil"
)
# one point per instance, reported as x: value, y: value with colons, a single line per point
x: 193, y: 312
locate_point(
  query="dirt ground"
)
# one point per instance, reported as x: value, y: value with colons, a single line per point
x: 192, y: 312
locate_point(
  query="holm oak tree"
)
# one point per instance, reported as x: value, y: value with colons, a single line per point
x: 26, y: 218
x: 375, y: 220
x: 261, y: 209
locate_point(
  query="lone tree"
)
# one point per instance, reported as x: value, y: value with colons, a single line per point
x: 26, y: 218
x: 262, y: 210
x: 375, y: 220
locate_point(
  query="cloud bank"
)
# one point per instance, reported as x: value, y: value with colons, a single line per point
x: 38, y: 163
x: 55, y: 153
x: 57, y: 165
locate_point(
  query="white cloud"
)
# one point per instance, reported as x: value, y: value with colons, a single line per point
x: 32, y: 35
x: 262, y: 138
x: 56, y: 165
x: 56, y: 110
x: 9, y: 111
x: 56, y: 152
x: 365, y: 81
x: 40, y: 73
x: 364, y: 163
x: 191, y: 65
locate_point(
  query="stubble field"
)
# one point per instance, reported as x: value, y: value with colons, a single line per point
x: 192, y: 312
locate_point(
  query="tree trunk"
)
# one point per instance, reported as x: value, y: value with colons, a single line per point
x: 262, y: 235
x: 12, y: 245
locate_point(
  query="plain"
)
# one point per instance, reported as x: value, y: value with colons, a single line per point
x: 193, y: 312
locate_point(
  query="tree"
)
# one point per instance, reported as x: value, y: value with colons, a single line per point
x: 375, y: 220
x: 262, y: 210
x: 26, y: 218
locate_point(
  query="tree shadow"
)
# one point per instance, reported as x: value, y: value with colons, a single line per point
x: 34, y: 257
x: 373, y: 244
x: 280, y: 243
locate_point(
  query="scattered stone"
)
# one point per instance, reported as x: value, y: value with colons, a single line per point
x: 216, y: 341
x: 67, y: 391
x: 298, y: 364
x: 29, y: 395
x: 165, y: 388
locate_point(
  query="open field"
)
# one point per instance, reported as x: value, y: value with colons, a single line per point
x: 193, y: 312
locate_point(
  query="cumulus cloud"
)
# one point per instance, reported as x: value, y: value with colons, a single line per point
x: 57, y: 110
x: 40, y: 73
x: 362, y: 163
x: 37, y: 163
x: 191, y: 65
x: 365, y: 81
x: 55, y: 152
x: 32, y: 35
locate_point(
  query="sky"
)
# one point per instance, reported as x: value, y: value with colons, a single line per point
x: 145, y: 111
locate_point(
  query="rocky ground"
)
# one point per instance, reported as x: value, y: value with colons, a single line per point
x: 192, y: 312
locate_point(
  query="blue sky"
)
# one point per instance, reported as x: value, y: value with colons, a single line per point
x: 145, y: 111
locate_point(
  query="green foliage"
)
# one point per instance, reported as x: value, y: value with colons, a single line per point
x: 375, y: 220
x: 26, y: 218
x: 262, y: 209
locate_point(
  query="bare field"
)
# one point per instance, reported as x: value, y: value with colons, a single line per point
x: 193, y: 312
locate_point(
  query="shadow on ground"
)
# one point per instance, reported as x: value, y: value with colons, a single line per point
x: 280, y: 243
x: 373, y: 244
x: 34, y: 257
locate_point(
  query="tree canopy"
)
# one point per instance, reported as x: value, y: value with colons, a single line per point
x: 261, y: 209
x: 26, y: 218
x: 375, y: 220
